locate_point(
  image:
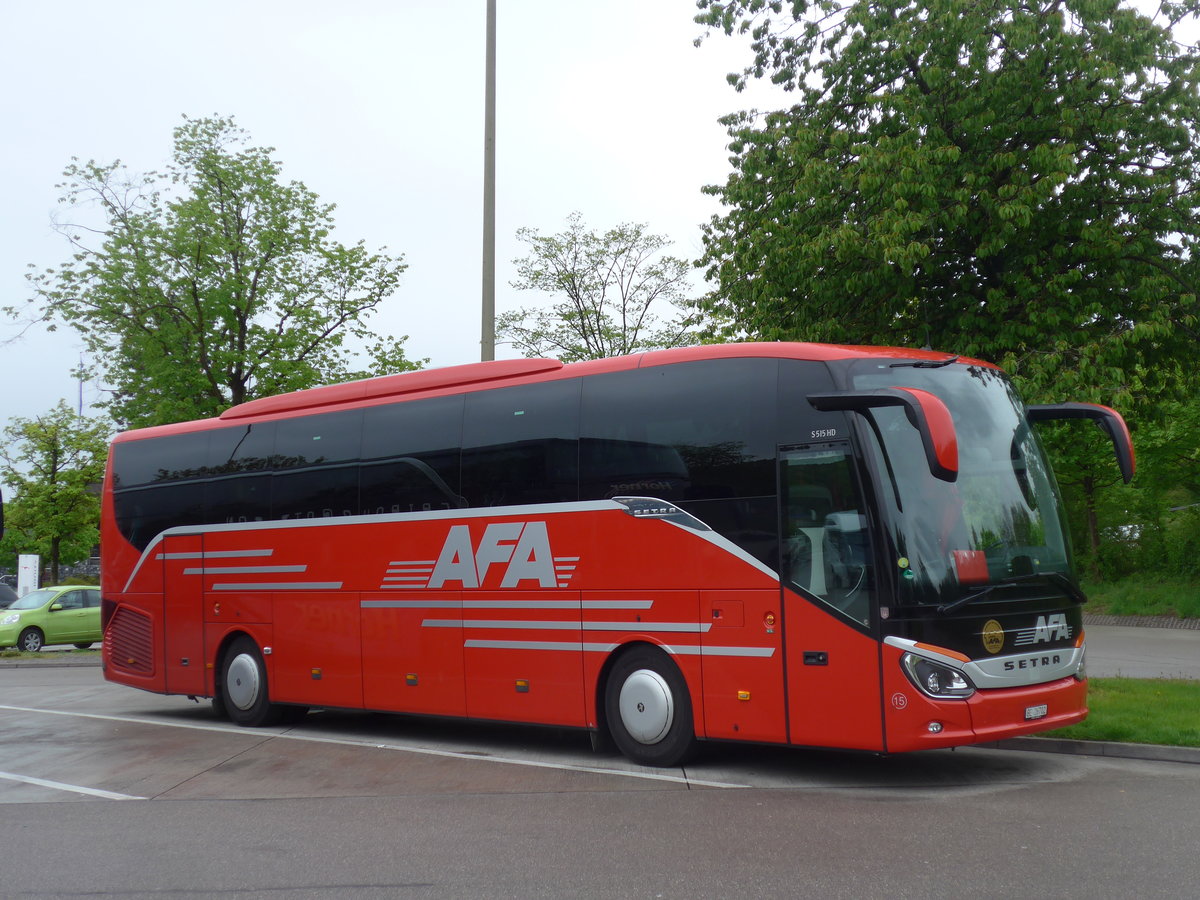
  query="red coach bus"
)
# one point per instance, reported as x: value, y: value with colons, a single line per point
x: 822, y: 546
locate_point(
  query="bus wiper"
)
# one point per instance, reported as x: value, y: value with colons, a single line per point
x: 969, y: 598
x: 1057, y: 578
x: 925, y: 363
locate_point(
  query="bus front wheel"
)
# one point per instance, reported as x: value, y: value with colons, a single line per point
x: 244, y: 695
x: 648, y: 708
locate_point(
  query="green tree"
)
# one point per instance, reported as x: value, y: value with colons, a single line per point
x: 212, y: 283
x: 54, y: 463
x: 1012, y: 181
x: 604, y: 286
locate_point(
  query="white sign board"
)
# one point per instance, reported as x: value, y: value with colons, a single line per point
x: 29, y: 567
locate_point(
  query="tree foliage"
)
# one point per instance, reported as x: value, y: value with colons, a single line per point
x: 1011, y: 181
x: 54, y: 463
x: 604, y: 286
x: 212, y: 283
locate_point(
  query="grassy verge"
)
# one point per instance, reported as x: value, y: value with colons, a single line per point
x: 49, y: 653
x: 1143, y: 596
x: 1139, y: 711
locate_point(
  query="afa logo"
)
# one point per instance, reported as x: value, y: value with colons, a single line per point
x: 516, y: 554
x: 1047, y: 629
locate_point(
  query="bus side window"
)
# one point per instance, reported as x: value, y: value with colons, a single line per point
x: 316, y: 466
x: 240, y: 462
x: 410, y: 456
x: 520, y: 445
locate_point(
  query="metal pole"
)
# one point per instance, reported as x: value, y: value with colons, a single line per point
x: 488, y: 342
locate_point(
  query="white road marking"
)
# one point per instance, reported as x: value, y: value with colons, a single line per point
x: 346, y: 742
x: 73, y: 788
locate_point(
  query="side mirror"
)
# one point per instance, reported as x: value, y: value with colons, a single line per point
x: 55, y: 607
x: 925, y: 411
x: 1109, y: 420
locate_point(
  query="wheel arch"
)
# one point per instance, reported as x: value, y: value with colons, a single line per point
x: 218, y: 657
x: 692, y: 679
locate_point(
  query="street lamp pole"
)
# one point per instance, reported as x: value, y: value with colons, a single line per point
x: 487, y: 343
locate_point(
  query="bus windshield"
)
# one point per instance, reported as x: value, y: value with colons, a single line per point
x: 1000, y: 523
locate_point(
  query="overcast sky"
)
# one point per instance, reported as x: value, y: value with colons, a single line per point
x: 606, y: 108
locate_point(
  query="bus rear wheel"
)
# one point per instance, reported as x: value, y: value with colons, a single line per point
x: 648, y: 708
x: 244, y: 694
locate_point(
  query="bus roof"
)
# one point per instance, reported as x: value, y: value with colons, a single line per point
x: 499, y: 373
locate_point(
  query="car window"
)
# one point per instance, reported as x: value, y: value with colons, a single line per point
x: 71, y: 600
x: 93, y: 598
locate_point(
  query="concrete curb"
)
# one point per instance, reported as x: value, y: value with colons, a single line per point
x: 1111, y: 749
x: 1142, y: 621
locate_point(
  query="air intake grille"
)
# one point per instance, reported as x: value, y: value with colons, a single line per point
x: 128, y: 642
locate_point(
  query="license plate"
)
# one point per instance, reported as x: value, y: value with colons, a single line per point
x: 1036, y: 712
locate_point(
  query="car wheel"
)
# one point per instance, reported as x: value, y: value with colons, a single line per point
x: 31, y: 640
x: 648, y: 708
x: 83, y: 646
x: 244, y: 692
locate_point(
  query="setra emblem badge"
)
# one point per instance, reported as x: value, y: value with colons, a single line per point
x: 993, y: 636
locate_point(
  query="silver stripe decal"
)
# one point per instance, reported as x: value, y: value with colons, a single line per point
x: 410, y: 604
x: 243, y: 570
x: 729, y: 547
x: 281, y: 586
x: 520, y: 604
x: 651, y: 627
x: 494, y: 623
x: 216, y: 554
x: 720, y: 651
x: 458, y: 604
x: 688, y: 627
x: 523, y: 645
x: 605, y: 648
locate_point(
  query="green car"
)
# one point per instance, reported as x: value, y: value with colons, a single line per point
x: 53, y: 615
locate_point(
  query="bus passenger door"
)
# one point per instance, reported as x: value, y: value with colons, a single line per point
x: 827, y: 569
x: 183, y: 620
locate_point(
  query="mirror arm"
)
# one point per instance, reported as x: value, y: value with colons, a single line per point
x: 925, y: 411
x: 1110, y: 423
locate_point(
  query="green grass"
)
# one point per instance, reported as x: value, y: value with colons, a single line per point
x: 1139, y: 711
x: 1142, y: 596
x: 55, y: 652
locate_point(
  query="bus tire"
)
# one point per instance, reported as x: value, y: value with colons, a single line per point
x: 648, y: 708
x: 244, y: 692
x: 31, y: 640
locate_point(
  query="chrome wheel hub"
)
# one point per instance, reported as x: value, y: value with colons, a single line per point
x: 242, y: 684
x: 647, y: 706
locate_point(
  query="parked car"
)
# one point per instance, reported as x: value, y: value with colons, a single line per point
x: 67, y: 614
x: 7, y: 595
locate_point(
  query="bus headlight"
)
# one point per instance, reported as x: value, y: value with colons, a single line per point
x: 936, y: 680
